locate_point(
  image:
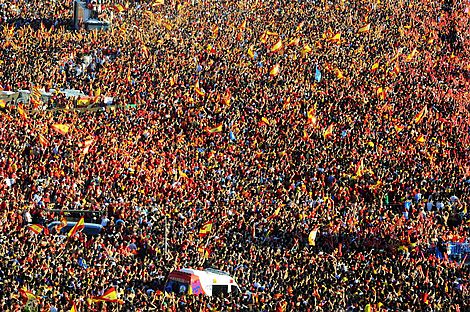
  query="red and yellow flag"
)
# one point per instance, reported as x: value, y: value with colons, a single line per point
x: 275, y: 213
x: 77, y: 227
x: 381, y: 93
x: 119, y: 8
x: 410, y: 56
x: 61, y: 128
x: 365, y: 28
x: 375, y: 67
x: 22, y: 112
x: 277, y: 46
x: 421, y: 139
x: 216, y: 129
x: 328, y: 131
x: 360, y: 168
x: 294, y: 42
x: 422, y: 113
x: 311, y: 116
x: 306, y: 49
x: 109, y: 296
x: 205, y: 229
x: 38, y: 229
x: 274, y: 71
x: 199, y: 90
x: 335, y: 38
x: 398, y: 128
x: 74, y: 308
x: 28, y: 295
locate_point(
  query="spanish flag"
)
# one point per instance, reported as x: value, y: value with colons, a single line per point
x: 3, y: 105
x: 109, y: 296
x: 22, y: 113
x: 227, y: 97
x: 311, y: 116
x: 74, y: 308
x: 61, y: 128
x: 411, y: 55
x: 421, y: 139
x: 38, y: 229
x: 398, y: 128
x: 328, y: 132
x: 216, y: 129
x: 422, y: 113
x: 374, y: 67
x: 335, y: 38
x: 360, y: 168
x: 77, y: 227
x: 28, y: 295
x: 306, y: 49
x: 205, y: 252
x: 251, y: 54
x: 205, y: 229
x: 199, y: 90
x: 339, y: 74
x: 119, y: 8
x: 182, y: 174
x: 365, y: 28
x: 215, y: 31
x: 265, y: 120
x: 275, y: 213
x: 263, y: 38
x: 274, y: 71
x: 277, y: 46
x: 294, y: 42
x: 381, y: 93
x: 312, y: 237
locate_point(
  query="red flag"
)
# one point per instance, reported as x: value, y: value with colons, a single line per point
x: 109, y: 296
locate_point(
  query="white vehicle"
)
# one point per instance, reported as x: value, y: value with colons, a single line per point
x: 210, y: 282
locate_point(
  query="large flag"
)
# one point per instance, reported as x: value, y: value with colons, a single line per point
x: 109, y: 296
x: 205, y: 229
x: 277, y: 46
x: 365, y: 28
x: 317, y: 74
x: 28, y: 295
x: 77, y: 227
x: 274, y: 71
x: 61, y: 128
x: 422, y: 113
x: 37, y: 229
x: 216, y: 129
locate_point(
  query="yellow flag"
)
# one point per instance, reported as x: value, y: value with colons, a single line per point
x: 312, y: 237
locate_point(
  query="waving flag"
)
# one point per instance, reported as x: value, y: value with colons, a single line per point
x: 422, y: 113
x: 38, y: 229
x: 328, y: 132
x: 43, y: 141
x: 205, y: 229
x: 28, y: 295
x: 274, y: 71
x: 374, y: 67
x: 306, y: 49
x: 77, y: 227
x: 335, y: 38
x: 109, y: 296
x: 294, y: 42
x: 277, y: 46
x: 251, y: 54
x: 311, y: 116
x: 61, y: 128
x: 200, y: 91
x: 365, y: 28
x: 22, y: 112
x: 216, y: 129
x: 74, y: 308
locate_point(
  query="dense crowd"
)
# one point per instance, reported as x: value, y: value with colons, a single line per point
x: 271, y: 119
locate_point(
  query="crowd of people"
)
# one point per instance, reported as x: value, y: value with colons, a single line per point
x: 328, y: 144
